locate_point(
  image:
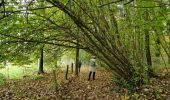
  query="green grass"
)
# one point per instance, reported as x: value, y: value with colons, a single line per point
x: 15, y: 72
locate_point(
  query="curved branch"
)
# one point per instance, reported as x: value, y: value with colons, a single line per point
x: 128, y: 2
x: 19, y: 39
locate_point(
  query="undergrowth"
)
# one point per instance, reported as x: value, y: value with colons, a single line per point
x: 138, y: 79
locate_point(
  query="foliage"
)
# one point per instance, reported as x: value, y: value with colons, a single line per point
x: 122, y: 34
x: 138, y: 79
x: 84, y: 57
x: 2, y: 79
x: 17, y: 72
x: 2, y: 66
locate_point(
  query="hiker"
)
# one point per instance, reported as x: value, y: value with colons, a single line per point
x: 92, y: 67
x: 79, y: 65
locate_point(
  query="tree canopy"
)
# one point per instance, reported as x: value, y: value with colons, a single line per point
x: 123, y: 34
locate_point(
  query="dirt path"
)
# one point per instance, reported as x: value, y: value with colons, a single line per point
x: 80, y: 88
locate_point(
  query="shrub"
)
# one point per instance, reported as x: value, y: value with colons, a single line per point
x: 138, y: 79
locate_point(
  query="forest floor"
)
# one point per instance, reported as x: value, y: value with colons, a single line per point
x: 79, y: 88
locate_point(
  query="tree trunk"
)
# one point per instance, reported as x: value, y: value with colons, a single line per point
x: 169, y: 45
x: 147, y: 47
x: 157, y: 42
x: 77, y: 60
x: 169, y: 51
x: 168, y: 25
x: 66, y: 75
x: 157, y: 46
x: 41, y: 70
x: 71, y: 67
x: 55, y: 81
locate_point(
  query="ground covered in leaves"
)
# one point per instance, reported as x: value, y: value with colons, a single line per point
x: 78, y: 88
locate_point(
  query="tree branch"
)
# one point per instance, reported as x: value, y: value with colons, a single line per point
x: 110, y: 3
x: 37, y: 41
x: 128, y: 2
x: 150, y: 6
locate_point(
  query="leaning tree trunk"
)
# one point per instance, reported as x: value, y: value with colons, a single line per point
x: 99, y: 40
x: 168, y: 25
x: 41, y: 61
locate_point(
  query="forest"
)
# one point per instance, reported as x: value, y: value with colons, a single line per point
x: 84, y: 49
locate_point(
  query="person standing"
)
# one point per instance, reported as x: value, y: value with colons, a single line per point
x: 92, y: 67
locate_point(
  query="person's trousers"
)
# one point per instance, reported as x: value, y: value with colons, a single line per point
x: 93, y: 75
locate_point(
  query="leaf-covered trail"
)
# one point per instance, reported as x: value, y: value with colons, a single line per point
x: 76, y: 88
x: 100, y: 88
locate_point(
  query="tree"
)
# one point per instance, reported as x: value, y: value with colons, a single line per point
x: 41, y: 61
x: 112, y: 31
x: 147, y: 46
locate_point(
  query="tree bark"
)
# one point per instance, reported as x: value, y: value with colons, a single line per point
x: 169, y: 51
x: 168, y: 24
x: 77, y: 60
x: 147, y: 47
x: 41, y: 62
x: 169, y: 41
x: 55, y: 81
x: 71, y: 67
x: 66, y: 76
